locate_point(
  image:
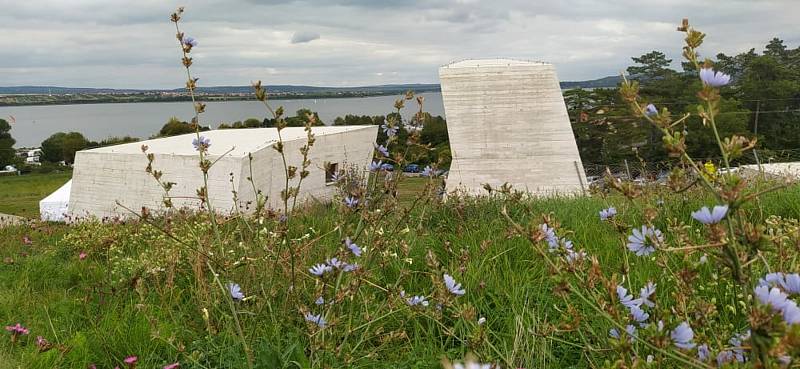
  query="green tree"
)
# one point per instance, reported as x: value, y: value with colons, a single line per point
x: 7, y: 155
x: 175, y: 126
x: 651, y: 65
x: 63, y: 146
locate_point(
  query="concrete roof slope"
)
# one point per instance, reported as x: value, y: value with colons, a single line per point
x: 240, y: 141
x: 500, y: 62
x: 791, y: 169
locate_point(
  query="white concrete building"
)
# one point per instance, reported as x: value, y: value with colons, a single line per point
x: 507, y: 122
x: 104, y: 176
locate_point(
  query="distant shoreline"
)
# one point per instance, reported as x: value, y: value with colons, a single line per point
x: 47, y: 100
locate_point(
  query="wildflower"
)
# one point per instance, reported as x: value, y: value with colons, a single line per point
x: 549, y: 235
x: 791, y: 313
x: 641, y: 242
x: 703, y: 353
x: 682, y: 336
x: 201, y: 143
x: 724, y: 357
x: 320, y: 300
x: 629, y: 329
x: 189, y: 41
x: 452, y: 286
x: 335, y: 262
x: 319, y: 320
x: 714, y: 79
x: 736, y: 341
x: 791, y: 283
x: 42, y: 344
x: 26, y: 240
x: 17, y: 330
x: 235, y: 291
x: 706, y: 216
x: 646, y: 292
x: 626, y: 299
x: 381, y: 149
x: 607, y: 214
x: 172, y: 366
x: 473, y: 365
x: 375, y: 166
x: 481, y: 321
x: 350, y: 267
x: 320, y: 269
x: 351, y: 202
x: 650, y: 110
x: 639, y: 315
x: 772, y: 297
x: 352, y: 247
x: 131, y: 361
x: 417, y: 300
x: 389, y: 130
x: 573, y: 256
x: 428, y: 172
x: 336, y: 177
x: 82, y: 255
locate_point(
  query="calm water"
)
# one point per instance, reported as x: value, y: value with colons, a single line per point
x: 98, y: 121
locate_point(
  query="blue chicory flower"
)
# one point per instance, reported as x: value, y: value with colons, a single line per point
x: 607, y: 214
x: 642, y: 241
x: 417, y: 300
x: 452, y: 286
x: 235, y: 291
x: 319, y: 320
x: 682, y: 336
x: 381, y: 149
x: 201, y: 143
x: 645, y: 293
x: 189, y: 41
x: 389, y: 130
x: 428, y: 172
x: 320, y: 300
x: 375, y: 166
x: 714, y: 79
x: 650, y: 110
x: 706, y: 216
x: 703, y: 353
x: 351, y: 202
x: 320, y: 269
x: 352, y: 246
x: 627, y: 299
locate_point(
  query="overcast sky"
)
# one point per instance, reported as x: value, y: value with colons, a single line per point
x: 104, y: 43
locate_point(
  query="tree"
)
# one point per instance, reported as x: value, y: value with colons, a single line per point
x: 776, y: 49
x: 63, y: 146
x: 175, y: 127
x: 6, y: 144
x: 651, y: 65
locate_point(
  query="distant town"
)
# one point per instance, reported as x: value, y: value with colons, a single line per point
x: 53, y: 95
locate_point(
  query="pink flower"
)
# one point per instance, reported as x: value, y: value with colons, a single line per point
x: 17, y: 329
x: 82, y: 256
x: 26, y: 240
x: 172, y: 366
x: 42, y: 344
x: 131, y: 361
x: 92, y: 366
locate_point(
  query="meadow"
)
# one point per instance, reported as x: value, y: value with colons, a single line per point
x: 102, y: 292
x: 20, y: 195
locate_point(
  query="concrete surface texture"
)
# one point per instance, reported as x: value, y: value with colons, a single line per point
x: 507, y: 123
x: 781, y: 170
x: 104, y: 176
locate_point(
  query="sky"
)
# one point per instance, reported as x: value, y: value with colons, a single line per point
x: 131, y: 44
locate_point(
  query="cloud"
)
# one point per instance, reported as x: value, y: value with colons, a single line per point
x: 83, y: 42
x: 301, y: 37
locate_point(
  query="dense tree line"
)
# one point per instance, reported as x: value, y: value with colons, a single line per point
x: 763, y: 100
x: 7, y: 142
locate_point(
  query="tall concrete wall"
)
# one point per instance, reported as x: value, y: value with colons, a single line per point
x: 507, y: 123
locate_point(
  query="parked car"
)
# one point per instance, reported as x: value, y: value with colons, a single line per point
x: 411, y: 168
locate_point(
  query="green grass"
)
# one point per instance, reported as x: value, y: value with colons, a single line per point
x: 141, y: 293
x: 20, y: 195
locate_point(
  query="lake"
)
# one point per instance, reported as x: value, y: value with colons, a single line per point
x: 98, y: 121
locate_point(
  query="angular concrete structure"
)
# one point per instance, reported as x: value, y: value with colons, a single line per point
x: 508, y: 123
x: 103, y: 176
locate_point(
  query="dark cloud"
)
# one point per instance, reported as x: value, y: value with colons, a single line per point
x: 84, y: 42
x: 301, y: 37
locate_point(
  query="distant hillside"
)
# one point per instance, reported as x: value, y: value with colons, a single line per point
x: 611, y: 81
x: 605, y: 82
